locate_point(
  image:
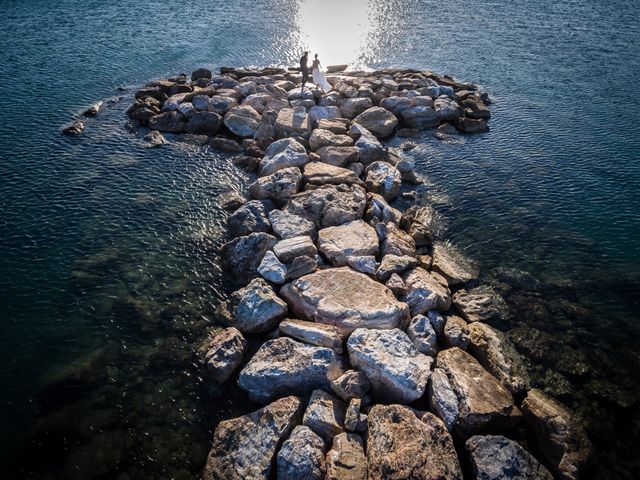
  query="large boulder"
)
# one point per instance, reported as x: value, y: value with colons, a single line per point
x: 280, y: 185
x: 325, y: 415
x: 245, y: 447
x: 426, y: 291
x: 254, y: 308
x: 480, y: 304
x: 369, y: 147
x: 447, y: 110
x: 497, y: 355
x: 384, y: 179
x: 320, y: 173
x: 402, y: 446
x: 173, y: 122
x: 420, y: 117
x: 302, y: 456
x: 378, y: 121
x: 483, y: 404
x: 221, y: 104
x: 394, y: 241
x: 325, y: 138
x: 452, y: 265
x: 346, y: 459
x: 249, y: 218
x: 494, y: 457
x: 203, y: 123
x: 224, y: 353
x: 329, y: 206
x: 352, y: 107
x: 397, y: 371
x: 281, y: 154
x: 288, y: 225
x: 355, y: 238
x: 291, y: 122
x: 242, y: 256
x: 242, y: 121
x: 284, y: 366
x: 346, y: 299
x: 559, y: 434
x: 396, y: 104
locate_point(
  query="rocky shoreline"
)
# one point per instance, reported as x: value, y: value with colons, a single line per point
x: 379, y: 358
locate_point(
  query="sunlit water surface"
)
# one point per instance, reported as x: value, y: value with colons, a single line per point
x: 109, y: 271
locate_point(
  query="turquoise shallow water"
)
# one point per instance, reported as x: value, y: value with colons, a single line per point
x: 107, y: 249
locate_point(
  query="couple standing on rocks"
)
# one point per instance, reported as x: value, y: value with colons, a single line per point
x: 318, y: 77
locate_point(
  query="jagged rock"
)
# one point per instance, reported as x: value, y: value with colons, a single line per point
x: 472, y: 125
x: 339, y: 126
x: 365, y: 264
x: 483, y: 403
x: 320, y: 173
x: 395, y: 241
x: 346, y: 459
x: 353, y: 384
x: 289, y: 248
x: 249, y: 218
x: 369, y: 147
x: 378, y: 121
x: 203, y: 123
x: 301, y: 266
x: 272, y: 269
x: 321, y: 112
x: 173, y: 122
x: 494, y: 457
x: 396, y: 104
x: 423, y: 336
x: 254, y: 308
x: 245, y: 447
x: 283, y: 154
x: 426, y: 291
x: 224, y: 354
x: 225, y: 144
x: 397, y: 371
x: 221, y: 105
x: 242, y: 256
x: 455, y: 332
x: 93, y: 110
x: 391, y: 264
x: 200, y: 102
x: 559, y: 434
x: 283, y: 366
x: 475, y: 109
x: 329, y: 206
x: 384, y: 179
x: 355, y: 238
x: 243, y: 121
x: 339, y: 156
x: 402, y: 446
x: 495, y: 353
x: 201, y: 73
x: 420, y: 117
x: 154, y: 139
x: 396, y: 285
x: 325, y: 138
x: 420, y: 223
x: 287, y: 225
x: 352, y: 107
x: 379, y: 211
x: 280, y: 185
x: 447, y: 110
x: 442, y: 399
x: 302, y: 456
x: 325, y: 415
x: 452, y: 265
x: 313, y: 333
x: 346, y: 299
x: 480, y: 304
x: 291, y: 122
x: 352, y: 415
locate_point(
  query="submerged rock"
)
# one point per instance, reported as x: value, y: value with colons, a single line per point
x: 225, y: 352
x: 452, y: 265
x: 242, y: 256
x: 346, y: 459
x: 302, y: 456
x: 480, y: 304
x: 355, y: 238
x: 325, y: 415
x: 283, y: 366
x: 245, y: 447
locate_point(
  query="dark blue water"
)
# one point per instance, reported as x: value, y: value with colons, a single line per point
x: 109, y: 271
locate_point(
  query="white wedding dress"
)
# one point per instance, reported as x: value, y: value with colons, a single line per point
x: 319, y: 78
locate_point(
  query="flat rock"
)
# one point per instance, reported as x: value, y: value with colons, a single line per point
x: 494, y: 457
x: 559, y: 434
x: 280, y: 185
x: 329, y: 206
x: 346, y: 459
x: 320, y: 173
x: 291, y: 122
x: 339, y: 156
x: 346, y: 299
x: 324, y: 138
x: 254, y: 308
x: 302, y: 456
x: 224, y: 354
x: 338, y: 126
x: 288, y: 225
x: 313, y: 333
x: 379, y: 121
x: 355, y: 238
x: 243, y: 121
x: 363, y: 264
x: 281, y: 154
x: 353, y: 384
x: 495, y: 353
x: 391, y: 264
x: 289, y: 249
x: 455, y: 332
x: 452, y: 265
x: 426, y: 291
x: 402, y: 446
x: 242, y: 256
x: 480, y: 304
x: 397, y: 371
x: 423, y: 336
x: 325, y: 415
x: 483, y: 403
x: 284, y: 366
x: 245, y: 447
x: 301, y: 266
x: 272, y: 269
x: 420, y: 117
x: 251, y: 217
x: 384, y: 179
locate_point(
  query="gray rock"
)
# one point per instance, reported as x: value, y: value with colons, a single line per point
x: 280, y: 185
x: 313, y: 333
x: 396, y: 104
x: 447, y: 110
x: 272, y: 269
x: 203, y: 123
x: 325, y: 415
x: 352, y: 415
x: 352, y: 107
x: 249, y: 218
x: 442, y: 399
x: 420, y: 117
x: 173, y: 122
x: 254, y: 308
x: 420, y: 222
x: 154, y: 139
x: 480, y: 304
x: 355, y: 238
x: 452, y: 265
x: 397, y: 371
x: 494, y: 457
x: 302, y: 456
x: 346, y: 299
x: 289, y: 248
x: 301, y: 266
x: 242, y: 121
x: 472, y: 125
x: 395, y: 241
x: 329, y: 206
x: 245, y: 447
x: 339, y: 156
x: 437, y: 322
x: 455, y: 332
x: 201, y: 73
x: 426, y: 291
x: 384, y: 179
x: 369, y: 147
x: 364, y: 264
x: 320, y: 173
x: 292, y: 121
x: 318, y: 112
x: 221, y: 105
x: 396, y: 285
x: 224, y: 353
x: 402, y: 446
x: 346, y: 459
x: 391, y: 264
x: 284, y: 366
x: 226, y: 145
x: 324, y: 138
x: 423, y: 336
x: 559, y: 434
x: 287, y: 225
x: 378, y: 121
x: 283, y: 154
x: 242, y: 256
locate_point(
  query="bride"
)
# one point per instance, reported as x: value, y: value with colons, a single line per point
x: 318, y: 77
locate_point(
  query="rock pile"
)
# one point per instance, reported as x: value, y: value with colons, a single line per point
x: 366, y: 312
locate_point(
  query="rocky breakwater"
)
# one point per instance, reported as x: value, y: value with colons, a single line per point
x: 378, y: 357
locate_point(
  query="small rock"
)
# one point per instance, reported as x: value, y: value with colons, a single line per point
x: 455, y: 333
x: 74, y: 128
x: 225, y: 144
x: 289, y: 249
x: 353, y: 239
x: 325, y: 415
x: 352, y: 415
x: 313, y: 333
x: 426, y: 291
x: 472, y: 125
x: 363, y: 264
x: 154, y: 139
x: 353, y: 384
x: 232, y: 201
x: 302, y: 456
x: 93, y: 109
x: 272, y: 269
x: 346, y: 459
x: 423, y: 336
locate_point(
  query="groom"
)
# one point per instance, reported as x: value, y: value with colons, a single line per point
x: 304, y: 68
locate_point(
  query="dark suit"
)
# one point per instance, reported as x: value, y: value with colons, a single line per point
x: 304, y: 68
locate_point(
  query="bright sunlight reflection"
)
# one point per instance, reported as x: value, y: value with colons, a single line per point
x: 334, y: 29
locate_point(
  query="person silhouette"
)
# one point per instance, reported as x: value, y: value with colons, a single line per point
x: 318, y: 77
x: 304, y: 68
